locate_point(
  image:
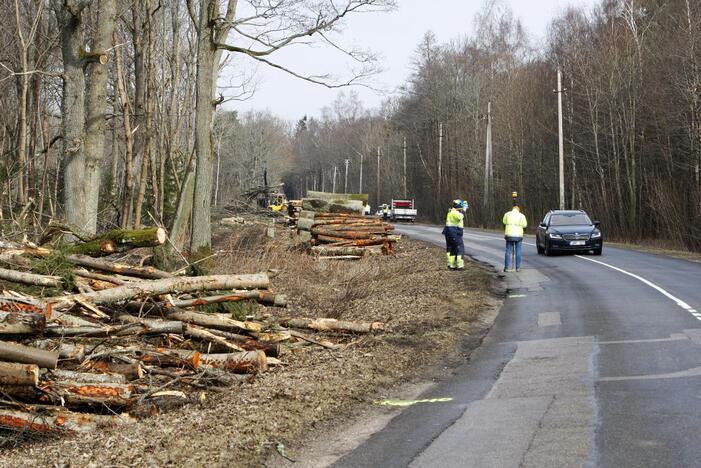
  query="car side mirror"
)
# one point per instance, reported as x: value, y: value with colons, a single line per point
x: 543, y: 225
x: 596, y: 223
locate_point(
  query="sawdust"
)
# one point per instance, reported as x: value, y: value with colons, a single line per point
x: 428, y: 311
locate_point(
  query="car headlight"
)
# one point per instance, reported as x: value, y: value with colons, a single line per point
x: 595, y: 235
x: 554, y: 236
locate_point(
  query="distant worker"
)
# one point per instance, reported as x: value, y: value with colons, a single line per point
x: 453, y: 231
x: 385, y: 212
x: 514, y: 221
x: 366, y: 209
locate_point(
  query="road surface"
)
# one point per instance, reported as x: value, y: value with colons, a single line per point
x: 592, y: 361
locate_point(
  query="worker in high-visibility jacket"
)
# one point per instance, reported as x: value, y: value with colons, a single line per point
x: 454, y: 245
x: 514, y: 223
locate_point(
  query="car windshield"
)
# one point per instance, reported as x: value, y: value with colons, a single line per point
x: 570, y: 219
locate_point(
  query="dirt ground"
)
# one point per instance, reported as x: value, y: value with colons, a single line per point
x: 428, y: 312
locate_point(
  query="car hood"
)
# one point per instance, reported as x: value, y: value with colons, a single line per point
x: 580, y: 229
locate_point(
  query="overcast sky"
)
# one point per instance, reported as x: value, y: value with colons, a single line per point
x: 394, y: 36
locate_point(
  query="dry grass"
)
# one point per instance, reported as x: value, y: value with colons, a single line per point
x: 428, y: 311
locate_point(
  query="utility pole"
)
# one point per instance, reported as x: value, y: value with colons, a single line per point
x: 561, y: 145
x: 323, y: 181
x: 333, y: 189
x: 378, y: 176
x: 488, y: 174
x: 345, y: 182
x: 360, y: 184
x: 404, y: 150
x: 440, y: 156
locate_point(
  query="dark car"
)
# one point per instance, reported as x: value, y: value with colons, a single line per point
x: 568, y: 230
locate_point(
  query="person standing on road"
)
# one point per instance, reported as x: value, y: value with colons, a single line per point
x: 514, y: 221
x: 453, y: 230
x: 385, y: 212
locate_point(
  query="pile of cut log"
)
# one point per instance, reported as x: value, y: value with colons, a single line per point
x: 133, y: 340
x: 347, y: 236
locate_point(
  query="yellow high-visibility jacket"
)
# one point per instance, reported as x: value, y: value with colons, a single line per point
x: 455, y: 218
x: 514, y: 222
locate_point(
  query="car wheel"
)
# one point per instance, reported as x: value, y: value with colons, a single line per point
x: 547, y: 251
x: 598, y: 251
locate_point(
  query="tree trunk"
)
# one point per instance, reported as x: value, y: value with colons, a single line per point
x: 68, y: 16
x: 125, y: 107
x: 96, y: 105
x: 204, y: 171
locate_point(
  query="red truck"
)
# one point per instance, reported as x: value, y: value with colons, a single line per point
x: 402, y: 210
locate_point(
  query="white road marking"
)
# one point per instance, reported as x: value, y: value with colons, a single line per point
x: 549, y: 319
x: 678, y: 301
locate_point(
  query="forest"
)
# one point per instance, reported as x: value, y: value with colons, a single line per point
x: 114, y: 116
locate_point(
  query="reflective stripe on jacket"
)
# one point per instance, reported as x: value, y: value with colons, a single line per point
x: 514, y: 222
x: 455, y: 218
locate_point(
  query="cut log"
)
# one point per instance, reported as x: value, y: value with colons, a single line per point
x: 196, y: 332
x: 341, y: 257
x: 172, y: 358
x: 342, y: 234
x: 153, y: 326
x: 131, y: 371
x: 59, y: 420
x: 218, y: 321
x: 262, y: 297
x: 99, y: 277
x: 30, y: 278
x: 322, y: 343
x: 246, y: 343
x: 69, y: 351
x: 336, y: 206
x: 162, y: 401
x: 24, y: 304
x: 247, y: 362
x: 327, y: 324
x: 85, y: 393
x: 164, y: 286
x: 112, y: 267
x: 13, y: 352
x: 21, y: 323
x: 323, y: 239
x: 62, y: 375
x: 305, y: 224
x: 119, y: 240
x: 12, y: 373
x: 331, y: 251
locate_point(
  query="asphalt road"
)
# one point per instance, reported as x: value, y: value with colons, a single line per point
x: 592, y: 361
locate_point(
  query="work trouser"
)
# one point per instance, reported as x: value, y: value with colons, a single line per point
x: 512, y: 244
x: 454, y: 246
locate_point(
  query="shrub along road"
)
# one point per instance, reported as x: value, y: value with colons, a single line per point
x: 592, y: 360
